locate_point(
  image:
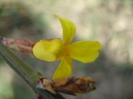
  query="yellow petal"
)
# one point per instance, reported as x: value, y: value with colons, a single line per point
x: 48, y: 49
x: 69, y: 30
x: 84, y: 51
x: 63, y: 70
x: 68, y: 60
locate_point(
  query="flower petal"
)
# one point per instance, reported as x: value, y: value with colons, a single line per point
x: 63, y: 70
x: 84, y: 51
x: 48, y: 49
x: 69, y: 30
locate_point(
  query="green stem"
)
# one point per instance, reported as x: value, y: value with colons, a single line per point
x: 25, y: 72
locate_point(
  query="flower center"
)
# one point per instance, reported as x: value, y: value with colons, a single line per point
x: 65, y: 49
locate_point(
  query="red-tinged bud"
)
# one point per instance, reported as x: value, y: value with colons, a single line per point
x: 68, y: 85
x: 24, y: 46
x: 39, y: 96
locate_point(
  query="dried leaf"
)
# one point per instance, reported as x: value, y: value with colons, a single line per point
x: 69, y: 85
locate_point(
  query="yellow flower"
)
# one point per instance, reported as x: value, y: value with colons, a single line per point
x: 57, y: 49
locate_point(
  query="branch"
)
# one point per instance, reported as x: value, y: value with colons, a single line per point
x: 25, y: 72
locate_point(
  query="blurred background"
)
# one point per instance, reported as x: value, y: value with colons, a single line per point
x: 108, y: 21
